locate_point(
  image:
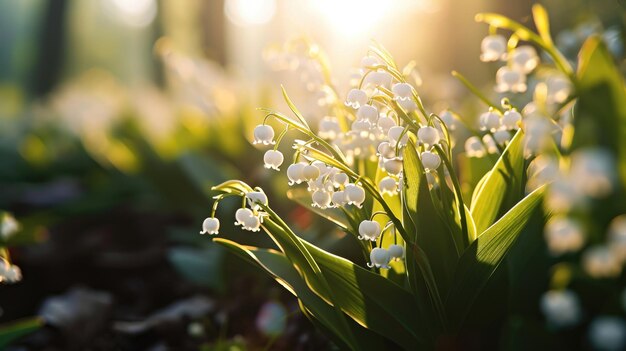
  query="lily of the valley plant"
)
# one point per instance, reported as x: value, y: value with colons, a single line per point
x: 386, y: 170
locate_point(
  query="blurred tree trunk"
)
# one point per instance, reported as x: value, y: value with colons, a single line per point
x: 51, y: 43
x: 214, y: 39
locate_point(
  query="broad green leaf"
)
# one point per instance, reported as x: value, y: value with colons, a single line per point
x: 601, y: 110
x: 281, y: 269
x: 482, y: 258
x: 431, y: 232
x: 303, y: 198
x: 12, y: 331
x: 503, y: 186
x: 355, y: 290
x: 359, y: 293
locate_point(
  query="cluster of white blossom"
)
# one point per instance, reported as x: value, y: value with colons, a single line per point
x: 366, y: 127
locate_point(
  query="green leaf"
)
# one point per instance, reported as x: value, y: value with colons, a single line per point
x: 485, y: 254
x: 431, y: 232
x: 356, y: 290
x: 502, y: 187
x: 293, y: 108
x: 281, y: 269
x: 601, y: 109
x: 11, y: 331
x: 540, y: 16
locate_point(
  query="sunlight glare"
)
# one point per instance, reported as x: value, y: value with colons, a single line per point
x: 250, y: 12
x: 351, y: 17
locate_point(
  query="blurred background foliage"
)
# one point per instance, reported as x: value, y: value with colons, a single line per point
x: 117, y: 116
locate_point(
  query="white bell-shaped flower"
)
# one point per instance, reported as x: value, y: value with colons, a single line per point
x: 397, y: 136
x: 273, y: 159
x: 211, y: 225
x: 388, y: 185
x: 430, y: 161
x: 242, y: 214
x: 369, y: 230
x: 340, y: 179
x: 324, y: 168
x: 408, y: 105
x: 493, y: 48
x: 502, y: 137
x: 490, y: 144
x: 379, y: 258
x: 369, y: 61
x: 448, y: 118
x: 559, y: 89
x: 428, y: 135
x: 256, y: 198
x: 490, y: 121
x: 600, y: 262
x: 379, y: 79
x: 564, y: 234
x: 310, y: 172
x: 393, y: 166
x: 561, y: 308
x: 385, y: 123
x: 321, y: 199
x: 295, y: 173
x: 510, y: 79
x: 355, y: 195
x: 338, y: 198
x: 593, y: 171
x: 252, y: 224
x: 361, y: 129
x: 263, y: 134
x: 367, y: 113
x: 524, y: 58
x: 607, y: 333
x: 9, y: 273
x: 385, y: 150
x: 402, y: 91
x: 511, y: 119
x: 356, y: 98
x: 396, y: 252
x: 474, y: 147
x: 329, y: 128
